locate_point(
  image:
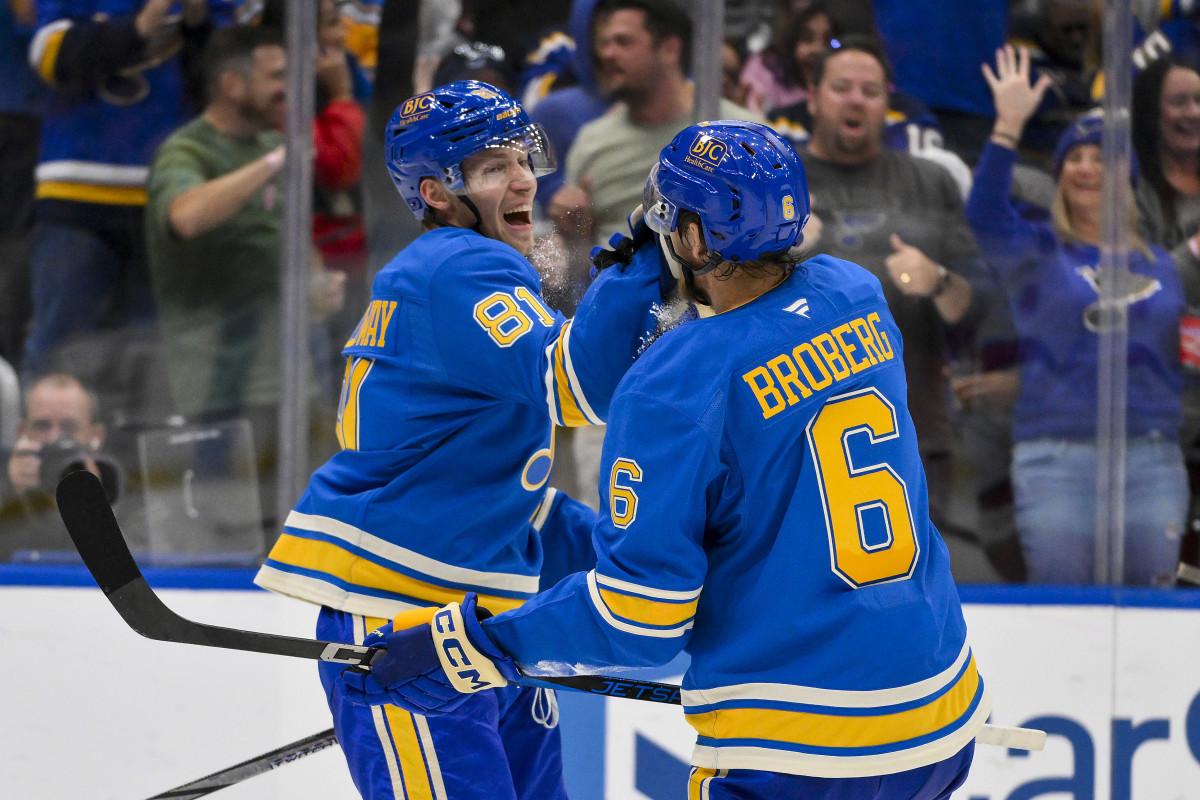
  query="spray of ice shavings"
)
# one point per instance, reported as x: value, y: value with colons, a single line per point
x: 558, y: 669
x: 549, y: 258
x: 669, y: 315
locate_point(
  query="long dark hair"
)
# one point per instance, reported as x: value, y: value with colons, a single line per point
x: 1146, y: 134
x: 780, y: 55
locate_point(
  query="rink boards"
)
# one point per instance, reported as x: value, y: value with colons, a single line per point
x: 1114, y: 677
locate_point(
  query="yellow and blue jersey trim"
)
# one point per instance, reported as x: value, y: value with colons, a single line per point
x: 643, y: 610
x: 833, y: 733
x: 564, y: 394
x: 335, y: 564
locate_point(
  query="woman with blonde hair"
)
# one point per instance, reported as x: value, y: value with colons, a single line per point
x: 1051, y: 275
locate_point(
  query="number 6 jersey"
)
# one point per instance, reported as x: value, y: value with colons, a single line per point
x: 767, y: 512
x: 454, y: 379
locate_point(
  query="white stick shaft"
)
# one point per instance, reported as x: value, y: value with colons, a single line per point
x: 1013, y: 738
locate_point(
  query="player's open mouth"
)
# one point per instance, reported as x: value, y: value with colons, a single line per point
x: 519, y: 217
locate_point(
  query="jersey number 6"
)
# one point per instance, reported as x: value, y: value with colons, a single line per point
x: 867, y: 513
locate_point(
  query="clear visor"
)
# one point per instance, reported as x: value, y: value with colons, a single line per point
x: 526, y: 154
x: 660, y: 213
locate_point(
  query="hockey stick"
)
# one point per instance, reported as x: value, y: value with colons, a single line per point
x: 93, y: 527
x: 251, y: 767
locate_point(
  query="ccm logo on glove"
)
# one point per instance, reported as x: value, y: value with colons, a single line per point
x: 468, y: 669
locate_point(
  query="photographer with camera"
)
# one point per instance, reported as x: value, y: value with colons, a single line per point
x: 58, y: 434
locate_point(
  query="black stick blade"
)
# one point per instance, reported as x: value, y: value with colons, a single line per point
x: 251, y: 767
x: 93, y: 528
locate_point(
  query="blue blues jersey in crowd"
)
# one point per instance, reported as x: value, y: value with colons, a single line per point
x: 454, y: 380
x: 113, y: 103
x: 767, y: 512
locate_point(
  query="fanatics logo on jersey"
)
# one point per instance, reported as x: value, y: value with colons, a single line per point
x: 706, y: 152
x: 800, y: 307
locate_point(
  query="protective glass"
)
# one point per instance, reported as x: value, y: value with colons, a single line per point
x: 525, y: 153
x: 660, y: 213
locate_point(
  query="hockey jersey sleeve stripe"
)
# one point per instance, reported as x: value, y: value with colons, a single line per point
x: 306, y: 525
x: 646, y: 617
x: 703, y: 699
x: 646, y: 591
x: 43, y: 50
x: 574, y: 409
x: 839, y: 729
x: 347, y: 569
x: 644, y: 611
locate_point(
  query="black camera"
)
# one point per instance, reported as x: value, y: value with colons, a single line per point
x: 65, y: 455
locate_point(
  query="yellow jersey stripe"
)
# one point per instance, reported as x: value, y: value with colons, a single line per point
x: 833, y: 730
x: 328, y: 558
x: 387, y: 551
x: 572, y: 414
x: 621, y: 625
x: 648, y: 612
x: 45, y: 46
x: 90, y: 193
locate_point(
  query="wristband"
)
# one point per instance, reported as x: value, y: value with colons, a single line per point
x: 1007, y: 137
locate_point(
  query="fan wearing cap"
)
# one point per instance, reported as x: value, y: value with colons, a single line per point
x: 1051, y: 275
x: 455, y: 379
x: 765, y: 512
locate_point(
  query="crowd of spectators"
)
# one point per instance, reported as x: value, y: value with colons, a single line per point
x: 951, y: 149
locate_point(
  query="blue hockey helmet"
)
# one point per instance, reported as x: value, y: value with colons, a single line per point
x: 430, y: 135
x: 746, y: 183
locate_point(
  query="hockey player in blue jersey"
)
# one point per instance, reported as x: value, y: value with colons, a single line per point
x: 766, y: 512
x: 454, y: 381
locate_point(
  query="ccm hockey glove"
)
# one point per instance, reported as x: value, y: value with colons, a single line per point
x: 436, y: 658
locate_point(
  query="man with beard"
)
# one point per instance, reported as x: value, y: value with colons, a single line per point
x: 213, y: 238
x: 901, y: 218
x: 641, y: 52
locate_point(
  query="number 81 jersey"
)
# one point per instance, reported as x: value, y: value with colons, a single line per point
x: 454, y: 380
x: 767, y: 512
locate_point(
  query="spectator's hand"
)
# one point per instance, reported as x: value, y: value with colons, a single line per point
x: 151, y: 19
x: 995, y: 388
x: 570, y: 208
x: 327, y: 292
x: 24, y: 464
x: 1015, y: 98
x: 914, y: 273
x: 333, y: 73
x: 195, y: 12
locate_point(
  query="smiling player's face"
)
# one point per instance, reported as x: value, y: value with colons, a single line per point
x: 501, y: 184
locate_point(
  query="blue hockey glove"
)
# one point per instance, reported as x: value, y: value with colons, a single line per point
x: 436, y: 658
x: 621, y: 248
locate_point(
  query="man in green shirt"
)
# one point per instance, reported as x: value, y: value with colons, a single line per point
x: 213, y: 236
